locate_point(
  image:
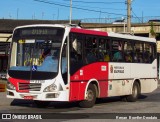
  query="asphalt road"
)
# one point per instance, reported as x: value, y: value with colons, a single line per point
x: 104, y: 108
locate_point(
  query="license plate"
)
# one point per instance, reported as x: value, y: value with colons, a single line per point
x: 28, y: 97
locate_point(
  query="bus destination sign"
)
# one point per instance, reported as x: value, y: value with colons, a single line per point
x: 38, y: 31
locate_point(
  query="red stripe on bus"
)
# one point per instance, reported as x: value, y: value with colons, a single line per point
x: 98, y: 71
x: 16, y: 82
x: 89, y: 32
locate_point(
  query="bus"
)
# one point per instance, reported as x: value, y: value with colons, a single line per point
x: 4, y: 49
x: 3, y: 66
x: 68, y: 63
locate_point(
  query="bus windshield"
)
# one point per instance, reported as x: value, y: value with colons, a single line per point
x: 35, y: 53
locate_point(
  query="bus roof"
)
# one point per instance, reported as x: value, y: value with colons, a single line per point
x: 92, y: 32
x: 111, y: 34
x: 42, y: 25
x: 132, y: 37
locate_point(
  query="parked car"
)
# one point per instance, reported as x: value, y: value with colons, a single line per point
x: 154, y: 20
x: 3, y: 75
x: 119, y: 22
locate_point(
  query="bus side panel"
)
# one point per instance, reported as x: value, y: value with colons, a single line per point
x: 120, y: 81
x: 74, y: 91
x: 77, y: 90
x: 147, y: 73
x: 99, y: 72
x: 91, y: 72
x: 77, y: 86
x: 103, y: 88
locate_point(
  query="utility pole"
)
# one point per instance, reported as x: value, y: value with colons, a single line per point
x: 129, y: 16
x: 17, y: 12
x: 70, y: 21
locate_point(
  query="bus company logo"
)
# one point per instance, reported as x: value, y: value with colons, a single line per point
x: 6, y: 116
x: 111, y: 69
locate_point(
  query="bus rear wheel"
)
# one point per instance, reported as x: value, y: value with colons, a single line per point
x: 41, y: 104
x: 90, y: 99
x: 135, y: 93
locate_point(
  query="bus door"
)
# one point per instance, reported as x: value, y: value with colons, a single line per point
x: 76, y: 68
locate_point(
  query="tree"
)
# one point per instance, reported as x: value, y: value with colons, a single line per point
x: 152, y: 32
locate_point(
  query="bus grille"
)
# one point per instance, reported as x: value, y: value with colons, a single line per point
x: 30, y: 86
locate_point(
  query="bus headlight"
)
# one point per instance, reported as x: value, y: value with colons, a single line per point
x: 10, y: 86
x: 50, y: 88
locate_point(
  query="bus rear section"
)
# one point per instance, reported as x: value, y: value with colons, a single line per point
x: 113, y: 65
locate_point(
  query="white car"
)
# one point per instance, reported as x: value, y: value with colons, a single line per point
x: 119, y: 22
x: 3, y: 75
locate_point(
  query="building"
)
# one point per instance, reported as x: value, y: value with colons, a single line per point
x: 7, y: 26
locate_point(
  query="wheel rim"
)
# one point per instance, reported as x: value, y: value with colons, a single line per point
x: 90, y: 95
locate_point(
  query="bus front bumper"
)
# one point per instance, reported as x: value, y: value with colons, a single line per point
x: 44, y: 96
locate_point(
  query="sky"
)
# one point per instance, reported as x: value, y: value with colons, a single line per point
x: 82, y: 9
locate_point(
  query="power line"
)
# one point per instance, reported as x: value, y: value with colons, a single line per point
x: 94, y: 2
x: 99, y: 7
x: 85, y: 9
x: 136, y: 16
x: 103, y: 8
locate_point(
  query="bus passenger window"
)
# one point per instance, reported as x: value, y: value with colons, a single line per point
x: 128, y: 51
x: 117, y: 51
x: 106, y: 57
x: 117, y: 56
x: 147, y: 53
x: 138, y: 56
x: 91, y: 56
x: 128, y: 58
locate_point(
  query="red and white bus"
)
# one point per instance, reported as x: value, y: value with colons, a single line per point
x: 4, y: 49
x: 68, y: 63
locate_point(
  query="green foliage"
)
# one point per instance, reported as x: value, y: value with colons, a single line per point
x: 153, y: 33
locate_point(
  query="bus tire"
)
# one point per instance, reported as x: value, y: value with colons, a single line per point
x: 91, y: 97
x: 135, y: 93
x: 41, y: 104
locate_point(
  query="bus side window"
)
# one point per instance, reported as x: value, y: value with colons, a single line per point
x: 117, y: 51
x: 147, y: 53
x: 128, y: 51
x: 153, y: 52
x: 91, y: 50
x: 107, y: 53
x: 101, y: 49
x: 138, y: 56
x: 91, y: 56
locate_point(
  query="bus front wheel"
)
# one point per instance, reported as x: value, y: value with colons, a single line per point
x: 135, y: 93
x: 90, y: 97
x: 41, y: 104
